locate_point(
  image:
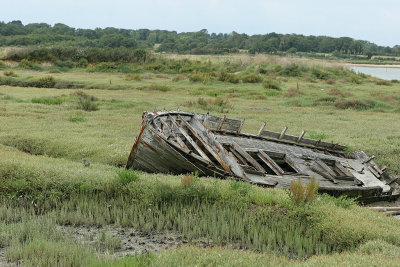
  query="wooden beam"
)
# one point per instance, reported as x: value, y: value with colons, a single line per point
x: 202, y: 139
x: 301, y: 136
x: 325, y: 167
x: 240, y: 127
x: 283, y: 133
x: 270, y: 163
x: 247, y: 156
x: 221, y: 123
x: 178, y: 139
x: 190, y: 140
x: 262, y: 128
x: 237, y: 155
x: 207, y: 138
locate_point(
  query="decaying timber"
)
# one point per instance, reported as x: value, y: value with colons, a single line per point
x: 180, y: 142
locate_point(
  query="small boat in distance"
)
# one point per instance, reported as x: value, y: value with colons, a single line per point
x: 179, y: 142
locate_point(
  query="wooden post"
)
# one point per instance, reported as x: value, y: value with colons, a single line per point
x: 283, y: 133
x: 261, y: 129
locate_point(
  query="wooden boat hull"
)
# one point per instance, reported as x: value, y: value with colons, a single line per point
x: 178, y: 143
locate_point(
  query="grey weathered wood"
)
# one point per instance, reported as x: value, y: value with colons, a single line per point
x: 241, y: 126
x: 227, y: 161
x: 190, y: 140
x: 158, y: 149
x: 283, y: 133
x: 325, y: 167
x: 178, y: 139
x: 247, y: 156
x: 301, y: 136
x: 369, y: 159
x: 374, y: 172
x: 270, y: 163
x: 221, y: 123
x: 315, y: 167
x: 262, y: 128
x: 237, y: 155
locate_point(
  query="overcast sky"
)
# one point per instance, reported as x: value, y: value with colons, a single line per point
x: 371, y: 20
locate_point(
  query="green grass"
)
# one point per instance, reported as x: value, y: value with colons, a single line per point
x: 44, y: 183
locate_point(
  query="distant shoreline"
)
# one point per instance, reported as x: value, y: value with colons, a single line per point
x: 373, y: 65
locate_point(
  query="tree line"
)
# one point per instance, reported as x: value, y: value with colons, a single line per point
x: 15, y: 33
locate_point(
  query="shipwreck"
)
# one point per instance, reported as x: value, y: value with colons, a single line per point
x: 179, y: 142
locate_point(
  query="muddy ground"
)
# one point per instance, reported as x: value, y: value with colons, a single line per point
x: 132, y: 240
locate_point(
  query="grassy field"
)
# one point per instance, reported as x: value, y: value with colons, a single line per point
x: 46, y: 132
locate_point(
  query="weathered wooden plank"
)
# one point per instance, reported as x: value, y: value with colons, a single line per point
x: 247, y: 156
x: 283, y: 133
x: 301, y: 136
x: 237, y: 155
x: 325, y: 167
x: 221, y: 123
x: 241, y: 126
x: 190, y: 140
x: 317, y: 169
x: 343, y: 169
x: 270, y: 163
x: 261, y: 129
x: 178, y: 139
x: 207, y: 138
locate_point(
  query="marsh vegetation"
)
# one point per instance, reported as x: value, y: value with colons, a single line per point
x: 65, y: 138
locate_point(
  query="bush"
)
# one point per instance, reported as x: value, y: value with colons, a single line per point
x: 355, y: 104
x: 251, y: 78
x: 227, y: 77
x: 320, y: 74
x: 157, y: 87
x: 54, y: 71
x: 48, y: 100
x: 86, y: 102
x: 77, y: 118
x: 301, y: 194
x: 354, y: 79
x: 382, y: 82
x: 199, y: 77
x: 292, y: 70
x: 187, y: 180
x: 271, y: 84
x: 179, y: 77
x: 216, y: 104
x: 292, y: 92
x: 8, y: 73
x: 26, y: 64
x: 46, y: 82
x: 106, y: 67
x: 136, y: 77
x: 125, y: 176
x: 64, y: 64
x: 82, y: 63
x: 325, y: 100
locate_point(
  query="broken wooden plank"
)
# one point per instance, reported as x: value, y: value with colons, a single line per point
x: 283, y: 133
x: 270, y: 163
x: 301, y: 136
x: 221, y: 123
x: 178, y: 139
x: 247, y: 156
x: 240, y: 126
x: 325, y: 167
x: 190, y: 140
x: 207, y: 138
x: 262, y: 128
x: 237, y: 155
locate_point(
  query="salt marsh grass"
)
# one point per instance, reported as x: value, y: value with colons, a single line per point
x: 44, y: 184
